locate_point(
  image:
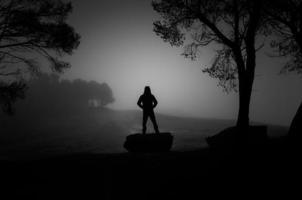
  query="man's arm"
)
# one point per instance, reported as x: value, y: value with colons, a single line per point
x: 139, y: 102
x: 154, y: 102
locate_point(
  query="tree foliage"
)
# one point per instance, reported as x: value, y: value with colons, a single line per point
x: 10, y: 93
x: 30, y: 31
x: 227, y: 23
x: 285, y: 19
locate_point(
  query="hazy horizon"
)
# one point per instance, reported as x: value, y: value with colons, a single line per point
x: 119, y: 47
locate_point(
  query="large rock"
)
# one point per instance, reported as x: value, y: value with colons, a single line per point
x: 155, y: 142
x: 238, y: 137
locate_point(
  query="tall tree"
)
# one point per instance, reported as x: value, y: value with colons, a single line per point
x: 285, y: 18
x: 30, y: 32
x: 233, y: 25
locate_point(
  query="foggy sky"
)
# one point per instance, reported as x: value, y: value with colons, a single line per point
x: 119, y: 47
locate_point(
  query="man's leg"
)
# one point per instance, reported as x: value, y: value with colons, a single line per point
x: 152, y: 117
x: 145, y: 118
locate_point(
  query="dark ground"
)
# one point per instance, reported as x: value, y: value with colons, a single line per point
x: 257, y: 172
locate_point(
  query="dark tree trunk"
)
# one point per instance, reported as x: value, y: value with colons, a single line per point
x: 245, y: 92
x: 295, y: 129
x: 246, y: 72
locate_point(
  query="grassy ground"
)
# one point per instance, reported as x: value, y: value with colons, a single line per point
x: 41, y: 158
x: 98, y: 131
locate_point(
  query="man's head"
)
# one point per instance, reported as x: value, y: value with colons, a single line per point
x: 147, y: 90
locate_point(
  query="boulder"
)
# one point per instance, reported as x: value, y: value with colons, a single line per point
x: 155, y: 142
x: 238, y: 137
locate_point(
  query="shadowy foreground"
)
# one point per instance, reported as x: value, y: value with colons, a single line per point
x: 268, y: 171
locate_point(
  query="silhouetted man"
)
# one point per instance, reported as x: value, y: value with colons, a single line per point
x: 147, y: 102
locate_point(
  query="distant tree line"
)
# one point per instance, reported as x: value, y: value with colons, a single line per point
x: 48, y: 94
